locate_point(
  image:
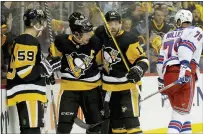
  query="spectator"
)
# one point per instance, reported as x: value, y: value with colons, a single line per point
x: 6, y: 44
x: 157, y: 24
x: 127, y: 24
x: 197, y: 18
x: 135, y: 13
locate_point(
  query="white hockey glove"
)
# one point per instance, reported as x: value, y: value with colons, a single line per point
x: 50, y: 65
x: 160, y: 86
x: 160, y: 83
x: 185, y: 73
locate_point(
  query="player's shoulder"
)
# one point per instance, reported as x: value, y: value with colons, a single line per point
x: 95, y: 42
x: 95, y: 39
x: 26, y: 39
x: 129, y: 37
x: 192, y: 29
x: 99, y: 29
x: 61, y: 37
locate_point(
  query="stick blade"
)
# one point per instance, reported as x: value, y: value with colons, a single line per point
x: 81, y: 124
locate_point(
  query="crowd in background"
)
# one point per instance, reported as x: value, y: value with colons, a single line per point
x: 148, y: 20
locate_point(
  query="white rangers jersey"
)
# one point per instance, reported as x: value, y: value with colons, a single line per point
x: 183, y: 44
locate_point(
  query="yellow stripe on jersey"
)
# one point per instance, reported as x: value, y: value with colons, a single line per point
x: 23, y: 73
x: 32, y: 113
x: 70, y: 37
x: 26, y: 97
x: 134, y: 130
x: 134, y: 51
x: 135, y: 101
x: 117, y: 86
x: 24, y: 55
x: 120, y: 87
x: 118, y: 131
x: 99, y: 58
x: 11, y: 75
x: 55, y: 52
x: 79, y: 85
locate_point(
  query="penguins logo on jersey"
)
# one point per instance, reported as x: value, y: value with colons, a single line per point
x: 78, y: 63
x: 110, y: 58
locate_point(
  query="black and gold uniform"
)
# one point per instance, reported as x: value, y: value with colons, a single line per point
x: 80, y: 76
x: 24, y: 72
x: 79, y: 69
x: 160, y: 30
x: 124, y: 101
x: 26, y: 86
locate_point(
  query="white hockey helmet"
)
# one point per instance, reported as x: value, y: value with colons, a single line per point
x: 183, y: 16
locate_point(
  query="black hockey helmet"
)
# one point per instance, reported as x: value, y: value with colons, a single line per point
x: 3, y: 21
x: 78, y: 23
x: 34, y: 16
x: 112, y: 15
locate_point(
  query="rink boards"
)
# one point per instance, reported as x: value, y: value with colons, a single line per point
x: 155, y: 112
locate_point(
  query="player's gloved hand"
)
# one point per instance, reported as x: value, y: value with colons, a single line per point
x: 135, y: 74
x: 161, y: 86
x: 160, y: 83
x: 185, y: 73
x: 50, y: 65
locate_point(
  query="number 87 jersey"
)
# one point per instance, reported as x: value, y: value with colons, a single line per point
x: 183, y: 44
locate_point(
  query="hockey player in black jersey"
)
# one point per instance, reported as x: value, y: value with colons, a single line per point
x: 124, y: 102
x: 80, y: 76
x: 26, y: 73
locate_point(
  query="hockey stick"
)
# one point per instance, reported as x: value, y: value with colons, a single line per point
x: 161, y: 90
x: 88, y: 126
x: 52, y: 50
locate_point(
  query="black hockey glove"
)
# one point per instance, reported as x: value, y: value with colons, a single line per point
x: 135, y: 74
x: 50, y: 80
x: 50, y: 65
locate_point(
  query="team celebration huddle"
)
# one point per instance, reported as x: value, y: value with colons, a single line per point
x: 101, y: 71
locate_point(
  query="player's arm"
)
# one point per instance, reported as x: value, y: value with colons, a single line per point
x: 159, y: 67
x: 99, y: 32
x: 159, y: 64
x: 138, y: 60
x: 27, y: 63
x: 60, y: 47
x: 189, y: 44
x: 98, y: 50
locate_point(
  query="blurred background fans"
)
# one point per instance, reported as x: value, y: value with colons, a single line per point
x: 149, y: 21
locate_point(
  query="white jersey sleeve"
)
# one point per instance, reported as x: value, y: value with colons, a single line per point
x: 190, y: 47
x: 160, y: 62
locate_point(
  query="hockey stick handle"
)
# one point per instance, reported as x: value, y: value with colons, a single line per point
x: 161, y: 90
x: 52, y: 49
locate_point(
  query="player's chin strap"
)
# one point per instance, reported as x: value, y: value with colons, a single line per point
x: 39, y: 30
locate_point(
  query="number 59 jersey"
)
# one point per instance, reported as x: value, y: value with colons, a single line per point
x: 24, y: 80
x: 180, y: 45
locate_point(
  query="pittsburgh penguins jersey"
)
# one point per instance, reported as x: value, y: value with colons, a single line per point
x: 24, y: 80
x: 79, y: 65
x: 114, y: 74
x: 163, y: 29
